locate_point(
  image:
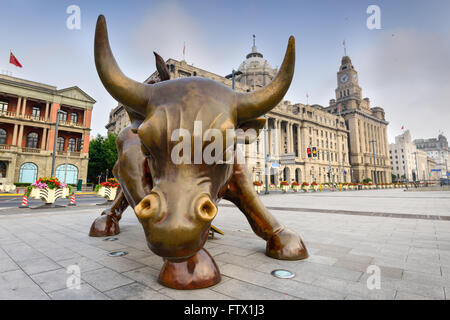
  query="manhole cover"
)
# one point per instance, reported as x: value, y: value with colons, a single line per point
x: 117, y: 253
x: 111, y: 239
x: 282, y: 274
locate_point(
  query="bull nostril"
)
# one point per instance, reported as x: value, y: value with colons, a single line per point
x: 206, y: 208
x: 149, y: 207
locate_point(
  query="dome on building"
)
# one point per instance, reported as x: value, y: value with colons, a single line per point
x: 254, y: 61
x: 256, y: 71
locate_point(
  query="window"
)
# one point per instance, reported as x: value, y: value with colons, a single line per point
x: 28, y: 173
x: 60, y: 144
x: 62, y: 115
x: 67, y: 173
x: 74, y: 117
x: 72, y: 144
x: 3, y: 107
x: 2, y: 136
x: 32, y: 140
x: 36, y: 112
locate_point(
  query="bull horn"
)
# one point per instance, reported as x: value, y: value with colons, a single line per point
x: 133, y: 94
x: 254, y: 104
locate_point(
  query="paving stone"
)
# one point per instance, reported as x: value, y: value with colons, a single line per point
x: 147, y: 276
x: 243, y: 290
x: 17, y: 285
x: 38, y: 265
x: 120, y: 264
x: 135, y: 291
x: 84, y: 263
x: 86, y: 292
x: 6, y: 264
x: 410, y: 296
x: 199, y: 294
x: 105, y: 279
x: 52, y: 280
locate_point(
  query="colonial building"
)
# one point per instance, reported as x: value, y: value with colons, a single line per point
x: 27, y: 131
x: 437, y: 149
x: 292, y: 129
x: 367, y: 126
x: 407, y: 162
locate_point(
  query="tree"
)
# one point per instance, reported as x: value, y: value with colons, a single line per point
x: 102, y: 157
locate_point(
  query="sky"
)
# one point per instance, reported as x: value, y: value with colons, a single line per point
x: 403, y: 67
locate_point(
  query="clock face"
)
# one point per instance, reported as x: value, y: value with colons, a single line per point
x: 344, y: 78
x: 355, y: 77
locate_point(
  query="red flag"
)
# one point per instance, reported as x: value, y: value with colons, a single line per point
x: 13, y: 60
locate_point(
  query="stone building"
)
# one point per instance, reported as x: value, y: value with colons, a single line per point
x: 292, y: 129
x: 27, y: 131
x: 367, y: 126
x: 436, y: 149
x: 407, y: 163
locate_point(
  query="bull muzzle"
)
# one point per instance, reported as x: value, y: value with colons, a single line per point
x: 175, y: 232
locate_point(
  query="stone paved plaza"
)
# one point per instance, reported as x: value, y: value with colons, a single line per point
x: 345, y: 233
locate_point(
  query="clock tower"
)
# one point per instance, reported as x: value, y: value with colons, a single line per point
x: 348, y: 92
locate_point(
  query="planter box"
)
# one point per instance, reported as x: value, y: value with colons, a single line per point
x: 7, y: 187
x: 258, y: 189
x: 284, y: 188
x: 49, y: 196
x: 107, y: 193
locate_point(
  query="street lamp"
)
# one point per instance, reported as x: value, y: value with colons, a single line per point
x: 232, y: 75
x: 374, y: 163
x: 54, y: 143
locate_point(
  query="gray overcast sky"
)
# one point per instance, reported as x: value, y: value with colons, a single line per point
x: 404, y: 67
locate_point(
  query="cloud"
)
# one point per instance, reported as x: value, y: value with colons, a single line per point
x: 407, y: 72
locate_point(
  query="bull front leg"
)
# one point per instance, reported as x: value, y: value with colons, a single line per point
x: 282, y: 243
x: 108, y: 222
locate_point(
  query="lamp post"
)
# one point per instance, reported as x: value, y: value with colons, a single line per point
x: 266, y: 157
x: 232, y: 76
x: 58, y: 112
x: 374, y: 163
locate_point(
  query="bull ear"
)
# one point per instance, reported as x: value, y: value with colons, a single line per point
x: 161, y: 67
x: 254, y: 104
x: 250, y: 130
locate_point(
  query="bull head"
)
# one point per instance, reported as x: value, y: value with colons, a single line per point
x: 177, y: 214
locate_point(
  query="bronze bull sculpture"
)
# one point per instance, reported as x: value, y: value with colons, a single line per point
x: 176, y: 203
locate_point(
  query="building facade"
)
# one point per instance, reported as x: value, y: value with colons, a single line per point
x: 368, y: 139
x: 27, y: 131
x: 341, y: 133
x: 436, y: 149
x: 407, y: 162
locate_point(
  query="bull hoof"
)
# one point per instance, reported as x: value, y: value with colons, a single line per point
x: 104, y: 226
x: 286, y: 245
x: 199, y: 271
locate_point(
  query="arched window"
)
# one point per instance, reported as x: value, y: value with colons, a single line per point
x: 2, y: 136
x: 28, y: 173
x: 74, y: 117
x: 72, y: 145
x: 62, y: 115
x: 32, y: 140
x: 67, y: 173
x: 60, y: 144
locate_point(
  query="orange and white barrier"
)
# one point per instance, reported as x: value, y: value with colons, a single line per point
x: 72, y: 200
x: 24, y: 202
